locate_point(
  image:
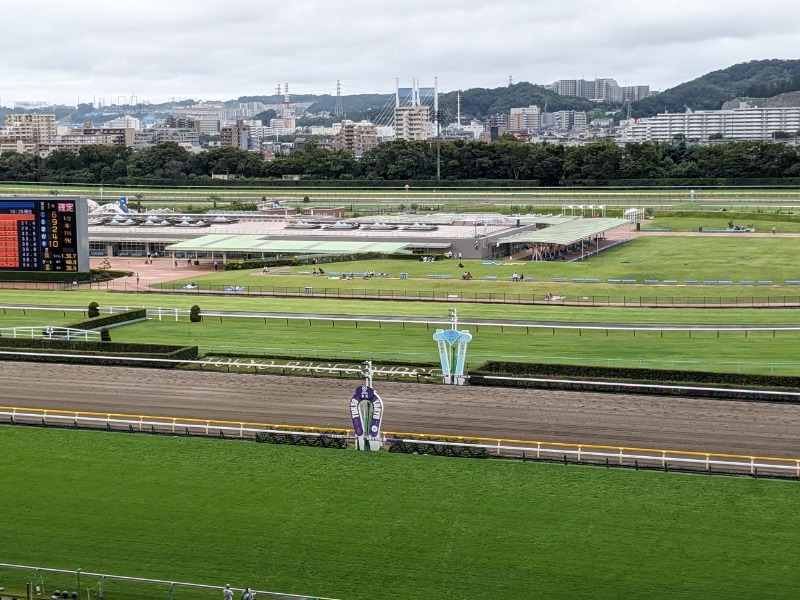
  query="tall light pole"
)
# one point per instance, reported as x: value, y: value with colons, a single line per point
x: 438, y: 146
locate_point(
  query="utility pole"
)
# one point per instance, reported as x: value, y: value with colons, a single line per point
x: 438, y: 148
x: 438, y: 116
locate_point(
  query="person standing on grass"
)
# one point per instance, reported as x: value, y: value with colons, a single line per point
x: 773, y: 230
x: 227, y: 593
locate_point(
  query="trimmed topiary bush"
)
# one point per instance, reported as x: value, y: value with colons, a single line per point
x: 194, y: 314
x: 105, y: 335
x: 94, y: 310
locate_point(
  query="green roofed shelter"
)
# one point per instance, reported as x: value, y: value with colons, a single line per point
x: 557, y: 240
x: 261, y: 245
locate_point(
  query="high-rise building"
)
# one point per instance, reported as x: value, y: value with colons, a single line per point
x: 35, y: 128
x: 599, y: 90
x: 237, y: 135
x: 632, y: 93
x: 525, y: 119
x: 413, y: 123
x: 412, y: 116
x: 358, y: 137
x: 124, y: 122
x: 570, y: 120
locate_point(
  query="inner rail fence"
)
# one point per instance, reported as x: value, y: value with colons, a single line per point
x: 423, y: 443
x: 456, y: 295
x: 459, y: 295
x: 167, y: 588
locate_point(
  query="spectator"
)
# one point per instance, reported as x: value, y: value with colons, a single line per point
x: 515, y: 277
x: 227, y: 593
x: 216, y: 265
x: 773, y: 230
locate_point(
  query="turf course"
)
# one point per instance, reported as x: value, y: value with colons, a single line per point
x: 353, y: 525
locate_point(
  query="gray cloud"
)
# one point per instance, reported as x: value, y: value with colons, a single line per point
x: 196, y: 48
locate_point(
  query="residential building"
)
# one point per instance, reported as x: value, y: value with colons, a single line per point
x: 599, y: 90
x: 237, y: 135
x: 180, y: 122
x: 188, y: 138
x: 357, y: 137
x: 35, y: 128
x: 81, y: 137
x: 288, y: 124
x: 525, y: 119
x: 570, y: 120
x: 743, y: 123
x: 21, y: 146
x: 412, y: 122
x: 207, y: 126
x: 632, y: 93
x: 124, y: 122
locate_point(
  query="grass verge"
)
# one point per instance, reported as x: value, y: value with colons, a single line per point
x: 354, y: 525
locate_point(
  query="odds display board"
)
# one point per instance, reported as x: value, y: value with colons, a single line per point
x: 44, y: 235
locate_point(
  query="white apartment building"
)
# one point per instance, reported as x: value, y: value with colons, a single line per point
x: 599, y: 90
x: 124, y: 122
x: 525, y: 119
x: 743, y: 123
x: 412, y: 122
x: 188, y: 138
x: 320, y: 130
x: 207, y: 126
x: 284, y: 124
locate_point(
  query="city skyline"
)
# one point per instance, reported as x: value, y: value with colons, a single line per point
x: 182, y: 49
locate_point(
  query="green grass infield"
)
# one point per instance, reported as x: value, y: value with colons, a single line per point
x: 357, y: 525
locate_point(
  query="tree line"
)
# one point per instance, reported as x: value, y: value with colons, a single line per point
x: 506, y: 160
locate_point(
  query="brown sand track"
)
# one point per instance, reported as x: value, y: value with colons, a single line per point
x: 590, y: 418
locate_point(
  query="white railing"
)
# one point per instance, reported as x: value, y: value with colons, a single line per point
x: 616, y: 455
x: 174, y: 313
x: 48, y: 332
x: 169, y: 584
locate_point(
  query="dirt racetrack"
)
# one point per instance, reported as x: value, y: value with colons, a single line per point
x: 590, y: 418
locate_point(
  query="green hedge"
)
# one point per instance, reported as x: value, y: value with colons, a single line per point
x: 105, y: 321
x: 96, y: 348
x: 46, y: 276
x: 423, y: 447
x: 301, y: 439
x: 636, y: 375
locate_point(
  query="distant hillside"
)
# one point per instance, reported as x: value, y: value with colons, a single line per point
x: 779, y: 101
x: 757, y: 78
x: 356, y: 103
x: 482, y: 102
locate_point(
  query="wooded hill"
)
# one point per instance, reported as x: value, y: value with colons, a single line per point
x: 757, y: 78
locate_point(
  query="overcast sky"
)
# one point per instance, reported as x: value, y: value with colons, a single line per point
x: 59, y: 51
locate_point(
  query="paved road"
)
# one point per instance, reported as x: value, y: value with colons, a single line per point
x: 621, y: 419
